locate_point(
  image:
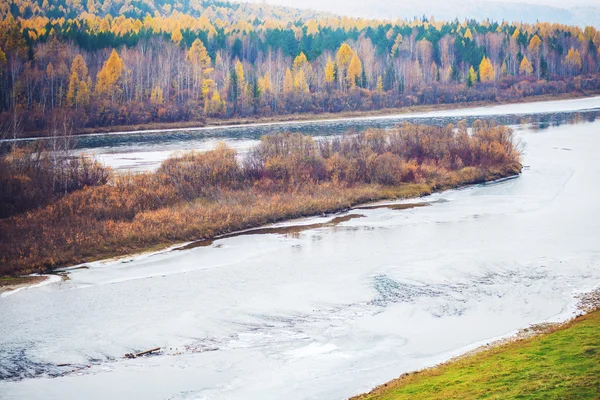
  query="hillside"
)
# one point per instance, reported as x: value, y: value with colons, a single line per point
x: 69, y: 65
x: 571, y: 13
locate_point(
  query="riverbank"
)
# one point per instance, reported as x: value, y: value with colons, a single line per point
x: 11, y: 283
x: 292, y: 118
x: 542, y: 361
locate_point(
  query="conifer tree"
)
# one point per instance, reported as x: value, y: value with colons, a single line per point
x: 486, y: 70
x: 354, y: 70
x: 109, y: 75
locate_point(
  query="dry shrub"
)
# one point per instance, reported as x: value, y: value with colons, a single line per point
x: 32, y: 177
x: 200, y: 195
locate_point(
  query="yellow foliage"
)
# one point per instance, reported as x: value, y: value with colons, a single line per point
x: 312, y: 28
x: 397, y: 43
x: 176, y: 36
x: 354, y: 70
x: 534, y: 46
x: 300, y: 62
x: 573, y: 59
x: 329, y: 71
x: 486, y: 70
x: 156, y: 96
x: 300, y: 83
x: 72, y: 91
x: 109, y: 74
x: 264, y: 84
x: 79, y: 67
x: 344, y: 55
x: 239, y: 72
x: 526, y: 68
x: 198, y: 55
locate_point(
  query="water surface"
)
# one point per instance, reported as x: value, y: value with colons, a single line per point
x: 325, y: 307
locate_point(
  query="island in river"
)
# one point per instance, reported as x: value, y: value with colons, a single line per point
x: 202, y: 195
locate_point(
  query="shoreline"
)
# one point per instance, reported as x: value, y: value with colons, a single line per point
x: 584, y: 304
x: 12, y: 285
x: 406, y: 192
x: 213, y: 123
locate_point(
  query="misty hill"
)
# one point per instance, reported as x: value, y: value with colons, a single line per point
x: 580, y: 15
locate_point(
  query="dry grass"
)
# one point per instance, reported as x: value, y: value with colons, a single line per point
x: 200, y: 196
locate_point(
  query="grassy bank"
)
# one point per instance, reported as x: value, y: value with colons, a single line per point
x: 200, y: 196
x: 215, y: 122
x: 563, y: 362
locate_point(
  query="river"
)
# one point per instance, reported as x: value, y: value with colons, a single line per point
x: 329, y: 310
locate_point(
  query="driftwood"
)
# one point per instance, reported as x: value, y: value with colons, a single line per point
x: 142, y: 353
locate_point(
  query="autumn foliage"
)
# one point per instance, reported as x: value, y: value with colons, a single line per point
x: 199, y: 195
x: 126, y: 62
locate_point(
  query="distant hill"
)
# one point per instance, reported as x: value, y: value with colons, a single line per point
x: 581, y: 15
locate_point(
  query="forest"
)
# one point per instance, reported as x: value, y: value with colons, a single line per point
x: 121, y: 62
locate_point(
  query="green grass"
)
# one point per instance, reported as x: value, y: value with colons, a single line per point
x: 563, y: 363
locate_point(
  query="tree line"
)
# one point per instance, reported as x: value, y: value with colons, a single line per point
x: 122, y: 62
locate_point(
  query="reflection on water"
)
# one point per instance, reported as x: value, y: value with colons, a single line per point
x: 181, y: 140
x: 327, y: 128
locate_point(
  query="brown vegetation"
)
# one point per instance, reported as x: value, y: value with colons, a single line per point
x: 196, y: 196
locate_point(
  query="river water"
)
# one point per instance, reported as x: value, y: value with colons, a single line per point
x: 324, y: 307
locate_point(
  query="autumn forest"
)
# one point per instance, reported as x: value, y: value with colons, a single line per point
x: 122, y: 62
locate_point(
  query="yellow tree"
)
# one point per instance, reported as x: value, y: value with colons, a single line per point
x: 198, y: 55
x: 534, y: 47
x: 396, y: 47
x: 83, y: 93
x: 109, y: 75
x: 300, y: 83
x: 486, y: 70
x: 200, y: 60
x: 573, y: 61
x: 379, y: 84
x: 354, y: 70
x: 300, y: 62
x: 77, y: 82
x: 526, y: 68
x: 176, y: 36
x: 344, y: 55
x: 156, y: 96
x: 79, y: 67
x: 72, y: 91
x: 241, y: 83
x: 329, y: 71
x: 264, y: 84
x: 468, y: 34
x: 312, y: 28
